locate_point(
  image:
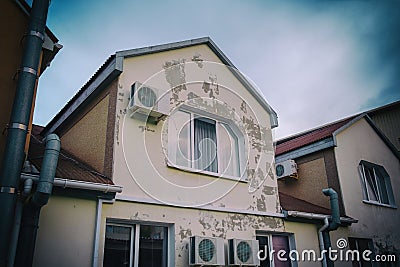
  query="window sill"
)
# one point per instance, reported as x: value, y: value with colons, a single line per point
x: 379, y: 204
x: 213, y: 174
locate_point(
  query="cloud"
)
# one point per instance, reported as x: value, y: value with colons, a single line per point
x: 315, y: 61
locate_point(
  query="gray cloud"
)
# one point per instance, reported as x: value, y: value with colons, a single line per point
x: 315, y: 61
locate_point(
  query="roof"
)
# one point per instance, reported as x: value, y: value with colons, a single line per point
x: 292, y: 203
x: 304, y: 139
x: 380, y: 109
x: 113, y: 67
x: 68, y: 167
x: 308, y: 137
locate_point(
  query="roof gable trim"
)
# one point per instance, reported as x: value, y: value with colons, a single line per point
x: 373, y: 126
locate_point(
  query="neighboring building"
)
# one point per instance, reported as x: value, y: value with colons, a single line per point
x: 356, y: 159
x: 13, y: 24
x: 192, y: 149
x: 387, y: 119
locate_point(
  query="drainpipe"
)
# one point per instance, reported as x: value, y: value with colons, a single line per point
x: 100, y: 202
x: 335, y: 220
x: 28, y: 183
x: 31, y: 213
x: 321, y: 240
x: 19, y: 120
x: 334, y: 200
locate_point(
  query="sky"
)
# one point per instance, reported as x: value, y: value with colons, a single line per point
x: 314, y: 61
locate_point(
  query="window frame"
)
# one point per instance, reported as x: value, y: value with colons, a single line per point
x: 355, y: 241
x: 242, y: 148
x: 269, y: 236
x: 135, y: 239
x: 379, y: 173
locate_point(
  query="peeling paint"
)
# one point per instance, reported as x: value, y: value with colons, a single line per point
x: 261, y: 206
x: 146, y: 128
x: 269, y: 190
x: 184, y: 233
x: 176, y: 77
x: 198, y: 60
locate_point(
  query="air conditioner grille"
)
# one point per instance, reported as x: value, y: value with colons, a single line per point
x: 280, y: 170
x: 146, y: 96
x: 206, y: 250
x: 243, y: 251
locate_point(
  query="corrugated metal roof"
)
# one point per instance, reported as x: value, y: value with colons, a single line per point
x: 68, y: 167
x: 308, y: 137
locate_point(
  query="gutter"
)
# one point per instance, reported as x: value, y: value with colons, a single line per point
x: 316, y: 216
x: 329, y: 225
x: 67, y: 183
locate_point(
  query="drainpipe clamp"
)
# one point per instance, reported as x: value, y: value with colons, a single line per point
x: 19, y: 126
x: 9, y: 190
x: 37, y: 34
x: 25, y: 69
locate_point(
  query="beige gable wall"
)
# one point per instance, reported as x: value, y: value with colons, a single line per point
x: 139, y: 158
x: 360, y: 142
x: 87, y: 138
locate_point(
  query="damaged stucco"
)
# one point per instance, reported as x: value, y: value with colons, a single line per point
x: 195, y: 79
x: 184, y: 223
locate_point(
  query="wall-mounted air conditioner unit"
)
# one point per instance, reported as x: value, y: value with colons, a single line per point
x: 206, y: 251
x: 243, y: 252
x: 147, y: 101
x: 286, y: 169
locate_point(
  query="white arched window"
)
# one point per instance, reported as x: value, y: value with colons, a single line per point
x: 206, y: 144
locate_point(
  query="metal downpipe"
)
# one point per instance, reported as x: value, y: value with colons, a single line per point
x: 31, y: 212
x: 19, y: 120
x: 28, y: 184
x: 335, y: 220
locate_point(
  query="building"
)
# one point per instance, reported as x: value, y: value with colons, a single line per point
x: 387, y: 119
x: 14, y: 24
x: 355, y: 158
x: 188, y: 138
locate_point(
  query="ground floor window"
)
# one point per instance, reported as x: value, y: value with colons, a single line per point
x: 137, y: 245
x: 361, y: 244
x: 270, y: 245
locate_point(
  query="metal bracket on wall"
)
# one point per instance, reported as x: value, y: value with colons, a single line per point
x: 32, y: 33
x: 25, y: 69
x: 9, y: 190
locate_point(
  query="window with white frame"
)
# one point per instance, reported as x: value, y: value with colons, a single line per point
x: 206, y: 144
x: 376, y: 183
x: 270, y: 246
x: 138, y: 245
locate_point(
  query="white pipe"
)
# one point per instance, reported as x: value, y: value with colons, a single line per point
x: 67, y: 183
x: 97, y: 229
